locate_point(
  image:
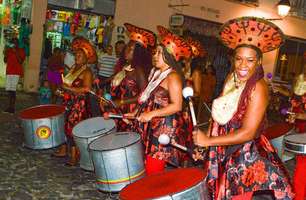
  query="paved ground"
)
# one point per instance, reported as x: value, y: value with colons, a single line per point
x: 27, y: 174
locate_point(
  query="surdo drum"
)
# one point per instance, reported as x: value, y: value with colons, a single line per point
x: 177, y: 184
x: 118, y: 160
x: 88, y: 130
x: 43, y: 126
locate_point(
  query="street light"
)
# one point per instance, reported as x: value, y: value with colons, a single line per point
x: 283, y: 8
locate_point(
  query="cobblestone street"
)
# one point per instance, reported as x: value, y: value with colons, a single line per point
x: 30, y: 174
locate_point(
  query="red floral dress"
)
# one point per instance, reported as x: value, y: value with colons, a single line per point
x: 77, y: 108
x: 247, y: 167
x: 127, y: 89
x: 170, y: 125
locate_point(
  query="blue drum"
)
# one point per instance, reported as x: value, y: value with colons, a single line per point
x: 118, y: 160
x: 88, y: 130
x: 43, y: 126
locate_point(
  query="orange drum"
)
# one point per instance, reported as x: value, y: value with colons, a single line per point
x: 276, y: 135
x: 182, y: 183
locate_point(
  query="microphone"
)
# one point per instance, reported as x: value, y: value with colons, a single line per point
x: 188, y: 93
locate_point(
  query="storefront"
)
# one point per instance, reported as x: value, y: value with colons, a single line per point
x: 15, y: 17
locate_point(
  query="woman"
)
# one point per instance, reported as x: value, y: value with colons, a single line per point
x: 55, y: 69
x: 192, y: 70
x: 76, y: 85
x: 130, y: 81
x: 240, y: 159
x: 161, y: 101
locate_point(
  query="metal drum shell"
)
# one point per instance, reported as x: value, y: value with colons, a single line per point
x: 193, y: 193
x: 295, y: 145
x: 54, y: 124
x: 83, y: 142
x: 118, y: 167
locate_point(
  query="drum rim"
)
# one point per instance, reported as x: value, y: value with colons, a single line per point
x: 45, y: 105
x: 297, y: 145
x: 138, y: 140
x: 202, y: 181
x: 288, y: 141
x: 105, y: 133
x: 89, y: 120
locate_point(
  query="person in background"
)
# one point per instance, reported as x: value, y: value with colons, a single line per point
x: 208, y: 85
x: 119, y: 50
x: 14, y: 58
x: 106, y: 64
x: 45, y: 93
x: 298, y: 118
x: 241, y: 163
x: 55, y: 68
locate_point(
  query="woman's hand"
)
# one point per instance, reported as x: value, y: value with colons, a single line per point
x: 145, y: 117
x: 129, y: 115
x: 118, y: 102
x: 200, y: 138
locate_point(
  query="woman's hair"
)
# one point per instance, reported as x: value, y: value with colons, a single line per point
x: 170, y: 60
x: 142, y: 57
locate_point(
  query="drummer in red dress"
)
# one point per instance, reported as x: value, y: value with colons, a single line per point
x: 161, y: 101
x: 76, y: 85
x: 298, y: 117
x: 131, y: 80
x: 241, y: 162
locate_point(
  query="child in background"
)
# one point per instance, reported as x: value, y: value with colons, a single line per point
x: 45, y: 93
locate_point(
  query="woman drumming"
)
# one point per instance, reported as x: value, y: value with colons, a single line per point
x: 76, y: 85
x: 161, y: 101
x: 130, y: 81
x: 241, y: 161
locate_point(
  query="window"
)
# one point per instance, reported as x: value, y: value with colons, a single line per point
x: 290, y: 60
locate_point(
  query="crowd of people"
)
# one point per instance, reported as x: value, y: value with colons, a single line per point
x: 145, y: 79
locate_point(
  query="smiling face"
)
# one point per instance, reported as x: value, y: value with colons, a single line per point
x: 80, y: 57
x: 245, y: 62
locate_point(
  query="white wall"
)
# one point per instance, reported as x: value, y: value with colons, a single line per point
x: 149, y: 13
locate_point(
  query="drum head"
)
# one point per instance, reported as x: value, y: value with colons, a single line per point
x: 42, y: 111
x: 93, y: 127
x: 114, y: 141
x: 163, y: 184
x: 277, y: 130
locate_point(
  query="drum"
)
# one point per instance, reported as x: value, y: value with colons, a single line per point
x: 117, y: 159
x: 177, y: 184
x: 88, y: 130
x: 276, y: 134
x: 295, y: 143
x: 43, y: 126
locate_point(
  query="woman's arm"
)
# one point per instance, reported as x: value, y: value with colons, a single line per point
x: 175, y: 85
x: 254, y: 115
x: 196, y: 79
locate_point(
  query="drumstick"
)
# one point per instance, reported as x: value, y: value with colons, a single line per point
x: 112, y: 115
x: 165, y: 140
x: 103, y: 99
